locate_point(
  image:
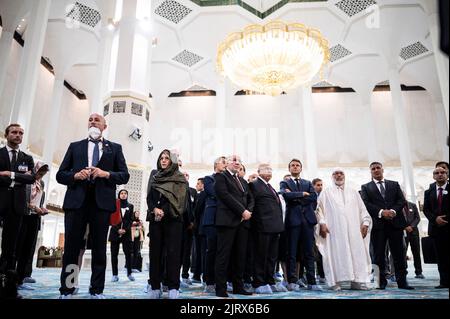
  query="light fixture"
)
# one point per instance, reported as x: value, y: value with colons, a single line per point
x: 274, y: 57
x: 112, y: 24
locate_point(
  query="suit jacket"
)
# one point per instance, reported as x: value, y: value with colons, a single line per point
x: 21, y: 179
x: 394, y: 200
x: 209, y: 215
x: 431, y: 211
x: 297, y: 204
x: 232, y: 201
x: 127, y: 220
x: 199, y: 210
x: 412, y: 216
x: 267, y: 216
x: 76, y: 159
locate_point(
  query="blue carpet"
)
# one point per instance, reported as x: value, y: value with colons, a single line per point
x: 48, y: 283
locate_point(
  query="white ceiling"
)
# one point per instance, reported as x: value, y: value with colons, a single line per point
x: 200, y: 29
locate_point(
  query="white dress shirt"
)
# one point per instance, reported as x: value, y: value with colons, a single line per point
x: 379, y: 189
x: 13, y: 174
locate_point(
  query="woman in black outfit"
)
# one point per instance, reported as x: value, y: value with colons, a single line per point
x: 166, y: 200
x: 137, y: 238
x: 121, y: 234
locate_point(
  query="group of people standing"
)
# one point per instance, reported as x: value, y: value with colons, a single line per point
x: 240, y: 231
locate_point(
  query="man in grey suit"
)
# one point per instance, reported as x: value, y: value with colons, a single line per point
x: 412, y: 217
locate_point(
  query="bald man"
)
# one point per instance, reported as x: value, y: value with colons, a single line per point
x: 91, y: 170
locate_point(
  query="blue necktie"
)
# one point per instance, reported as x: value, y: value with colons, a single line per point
x: 96, y: 154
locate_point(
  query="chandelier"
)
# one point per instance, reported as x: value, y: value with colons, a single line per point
x: 272, y: 58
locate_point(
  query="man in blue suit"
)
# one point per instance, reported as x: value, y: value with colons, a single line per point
x: 208, y: 223
x: 91, y: 170
x: 300, y: 220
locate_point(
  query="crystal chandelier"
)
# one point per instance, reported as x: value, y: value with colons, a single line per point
x: 272, y: 58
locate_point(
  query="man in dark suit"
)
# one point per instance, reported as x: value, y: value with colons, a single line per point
x: 300, y: 220
x: 268, y: 222
x: 234, y: 210
x: 15, y: 173
x: 208, y: 223
x: 384, y: 201
x: 436, y: 208
x: 91, y: 169
x: 188, y: 236
x: 412, y: 237
x: 199, y: 243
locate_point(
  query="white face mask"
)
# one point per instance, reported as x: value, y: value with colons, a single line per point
x: 94, y: 133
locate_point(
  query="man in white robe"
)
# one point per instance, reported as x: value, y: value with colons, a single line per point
x: 343, y: 235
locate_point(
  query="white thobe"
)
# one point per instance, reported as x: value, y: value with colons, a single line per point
x: 344, y: 252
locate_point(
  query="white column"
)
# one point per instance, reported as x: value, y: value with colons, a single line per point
x: 124, y: 70
x: 372, y: 149
x: 221, y: 100
x: 51, y: 131
x: 102, y: 70
x: 402, y: 134
x: 29, y: 68
x: 441, y: 62
x: 441, y: 130
x: 5, y: 49
x: 309, y: 131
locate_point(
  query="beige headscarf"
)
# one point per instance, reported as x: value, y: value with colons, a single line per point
x: 36, y: 188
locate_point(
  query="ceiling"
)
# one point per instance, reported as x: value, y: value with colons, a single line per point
x: 367, y: 37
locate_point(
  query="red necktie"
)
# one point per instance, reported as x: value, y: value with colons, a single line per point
x: 440, y: 200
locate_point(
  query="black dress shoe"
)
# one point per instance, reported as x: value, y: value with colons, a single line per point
x: 441, y: 287
x: 222, y: 294
x: 406, y: 287
x: 242, y: 292
x: 381, y: 288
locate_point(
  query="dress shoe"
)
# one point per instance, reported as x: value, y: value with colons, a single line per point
x: 441, y: 287
x: 382, y: 287
x: 242, y: 292
x: 29, y: 280
x: 420, y: 276
x: 406, y: 287
x: 222, y: 294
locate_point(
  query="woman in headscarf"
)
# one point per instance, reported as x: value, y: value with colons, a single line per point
x: 31, y: 224
x: 166, y: 200
x: 137, y: 238
x: 121, y: 234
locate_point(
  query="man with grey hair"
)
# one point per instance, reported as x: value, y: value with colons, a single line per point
x: 268, y: 223
x: 234, y: 210
x: 342, y: 235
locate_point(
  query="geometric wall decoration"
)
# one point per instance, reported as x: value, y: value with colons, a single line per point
x: 187, y: 58
x: 338, y: 52
x: 352, y: 7
x: 84, y: 14
x: 412, y: 51
x: 172, y: 10
x: 323, y: 84
x: 106, y: 110
x: 119, y: 106
x: 137, y: 109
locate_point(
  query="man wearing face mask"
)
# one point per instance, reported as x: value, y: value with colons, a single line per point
x: 91, y: 170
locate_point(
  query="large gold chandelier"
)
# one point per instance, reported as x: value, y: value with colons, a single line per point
x: 272, y: 58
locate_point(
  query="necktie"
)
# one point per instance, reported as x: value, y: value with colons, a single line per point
x: 273, y: 192
x: 13, y: 160
x: 297, y: 183
x: 382, y: 189
x: 440, y: 191
x: 236, y: 178
x: 96, y: 154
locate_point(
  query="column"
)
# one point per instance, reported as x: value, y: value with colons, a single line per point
x: 309, y: 131
x: 402, y: 134
x: 221, y: 102
x: 441, y: 62
x: 29, y: 68
x: 441, y: 129
x: 51, y: 132
x: 372, y: 149
x: 5, y: 48
x: 102, y: 72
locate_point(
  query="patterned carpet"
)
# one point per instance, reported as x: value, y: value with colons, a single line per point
x: 48, y: 283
